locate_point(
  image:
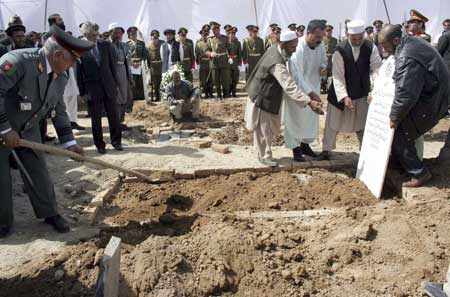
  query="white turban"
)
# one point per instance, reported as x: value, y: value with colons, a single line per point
x: 288, y: 36
x: 355, y: 27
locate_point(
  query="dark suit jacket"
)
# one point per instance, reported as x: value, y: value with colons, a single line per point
x: 90, y: 74
x: 443, y: 47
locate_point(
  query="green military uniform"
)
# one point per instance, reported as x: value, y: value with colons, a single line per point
x: 27, y: 94
x: 188, y: 60
x: 330, y: 47
x: 220, y: 69
x: 252, y: 51
x: 203, y: 61
x: 235, y: 54
x: 154, y: 62
x: 138, y: 54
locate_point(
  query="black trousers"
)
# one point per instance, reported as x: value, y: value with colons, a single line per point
x: 100, y: 100
x: 404, y: 151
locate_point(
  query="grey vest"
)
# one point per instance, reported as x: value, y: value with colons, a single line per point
x: 262, y: 87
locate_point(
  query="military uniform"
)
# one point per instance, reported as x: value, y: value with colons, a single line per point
x: 330, y: 47
x: 203, y: 61
x: 138, y: 54
x: 252, y: 51
x: 416, y: 16
x: 154, y: 62
x: 27, y: 94
x: 218, y: 49
x: 235, y: 54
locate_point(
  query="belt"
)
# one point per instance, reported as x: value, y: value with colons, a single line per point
x: 120, y: 63
x: 221, y: 54
x: 154, y: 62
x: 205, y: 59
x: 254, y: 55
x: 186, y: 59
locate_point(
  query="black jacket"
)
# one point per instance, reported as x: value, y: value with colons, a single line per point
x: 90, y: 75
x: 443, y: 47
x: 422, y: 89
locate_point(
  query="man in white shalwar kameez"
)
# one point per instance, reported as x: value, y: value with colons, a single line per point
x: 305, y: 65
x: 353, y: 62
x: 265, y: 87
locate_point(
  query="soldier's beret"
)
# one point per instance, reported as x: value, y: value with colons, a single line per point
x: 15, y: 28
x: 154, y: 33
x: 182, y: 30
x: 76, y: 47
x: 417, y: 16
x: 132, y: 28
x: 169, y: 31
x: 378, y: 22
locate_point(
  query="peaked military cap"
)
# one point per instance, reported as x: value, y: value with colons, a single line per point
x: 226, y: 27
x: 274, y: 25
x: 276, y: 30
x: 329, y: 27
x: 378, y: 22
x: 292, y: 26
x: 76, y: 47
x: 417, y: 16
x: 214, y: 24
x: 232, y: 30
x: 206, y: 27
x: 169, y: 31
x: 132, y: 28
x: 15, y: 28
x: 300, y: 27
x: 182, y: 30
x: 154, y: 33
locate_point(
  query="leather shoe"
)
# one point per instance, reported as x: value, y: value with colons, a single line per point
x: 306, y: 150
x: 75, y: 126
x: 58, y: 223
x: 4, y: 231
x: 101, y: 150
x: 118, y: 147
x: 416, y: 182
x: 298, y: 156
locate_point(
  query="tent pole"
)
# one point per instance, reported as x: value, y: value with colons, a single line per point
x: 45, y: 15
x: 256, y: 12
x: 387, y: 11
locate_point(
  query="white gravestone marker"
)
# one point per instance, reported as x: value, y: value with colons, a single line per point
x: 378, y: 135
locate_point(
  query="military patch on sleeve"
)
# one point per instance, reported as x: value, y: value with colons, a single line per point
x: 8, y: 68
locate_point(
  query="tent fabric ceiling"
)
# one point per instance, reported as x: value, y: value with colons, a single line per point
x: 192, y: 14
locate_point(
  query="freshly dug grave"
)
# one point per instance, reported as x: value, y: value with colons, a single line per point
x: 183, y: 239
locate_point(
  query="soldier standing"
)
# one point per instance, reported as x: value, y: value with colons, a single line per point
x: 218, y: 49
x: 32, y: 85
x: 270, y: 35
x: 187, y: 55
x: 330, y: 46
x: 203, y: 61
x: 416, y: 25
x: 252, y: 49
x: 138, y: 54
x: 274, y: 38
x: 154, y: 62
x: 236, y: 55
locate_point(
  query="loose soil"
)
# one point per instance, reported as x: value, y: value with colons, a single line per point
x: 184, y: 238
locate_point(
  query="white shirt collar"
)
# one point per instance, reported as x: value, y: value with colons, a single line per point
x: 48, y: 66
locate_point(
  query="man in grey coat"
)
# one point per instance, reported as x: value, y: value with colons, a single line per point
x: 32, y: 83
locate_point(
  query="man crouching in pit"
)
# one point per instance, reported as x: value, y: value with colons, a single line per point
x: 183, y: 99
x: 265, y: 86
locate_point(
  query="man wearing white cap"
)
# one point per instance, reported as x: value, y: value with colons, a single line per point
x: 353, y: 62
x: 265, y: 86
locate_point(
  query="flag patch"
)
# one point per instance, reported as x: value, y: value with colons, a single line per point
x: 8, y: 68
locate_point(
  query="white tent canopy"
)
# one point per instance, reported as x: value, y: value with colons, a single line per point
x: 192, y: 14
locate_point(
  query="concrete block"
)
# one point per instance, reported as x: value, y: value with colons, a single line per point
x: 204, y: 173
x: 110, y: 267
x: 220, y: 148
x: 181, y: 175
x: 97, y: 201
x: 262, y: 169
x: 342, y: 163
x: 301, y: 165
x: 89, y: 215
x: 226, y: 171
x: 321, y: 164
x: 201, y: 144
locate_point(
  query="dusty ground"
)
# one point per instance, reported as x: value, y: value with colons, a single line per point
x: 183, y: 239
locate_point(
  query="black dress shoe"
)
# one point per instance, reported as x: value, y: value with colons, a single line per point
x: 58, y: 223
x: 75, y: 126
x: 101, y: 150
x: 298, y: 156
x: 306, y: 150
x: 118, y: 147
x: 4, y: 231
x: 49, y: 138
